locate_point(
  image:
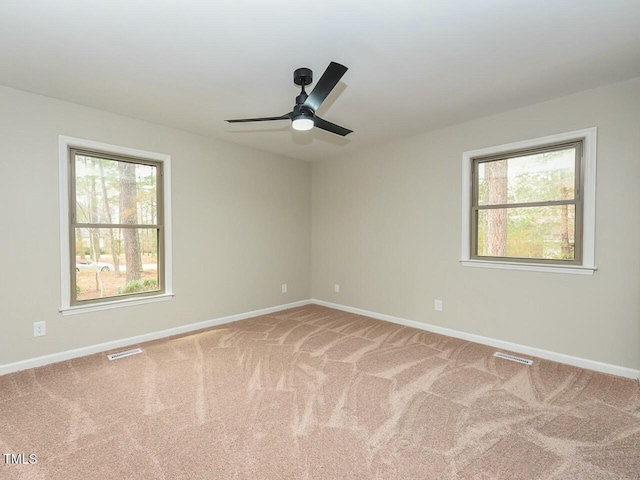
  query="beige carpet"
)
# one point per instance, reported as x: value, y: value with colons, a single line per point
x: 317, y: 393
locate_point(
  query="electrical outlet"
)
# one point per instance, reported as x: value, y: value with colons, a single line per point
x: 284, y: 288
x: 336, y: 288
x: 39, y: 329
x: 438, y: 305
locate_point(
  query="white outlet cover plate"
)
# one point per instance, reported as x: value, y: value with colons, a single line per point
x: 39, y: 329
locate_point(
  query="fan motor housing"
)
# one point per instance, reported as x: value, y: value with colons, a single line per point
x: 302, y: 76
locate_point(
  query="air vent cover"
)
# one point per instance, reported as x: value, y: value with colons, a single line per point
x: 126, y: 353
x: 513, y: 358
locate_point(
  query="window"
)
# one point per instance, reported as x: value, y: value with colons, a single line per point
x: 530, y: 205
x: 116, y: 226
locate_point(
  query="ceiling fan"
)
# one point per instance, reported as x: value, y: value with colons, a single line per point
x: 303, y: 116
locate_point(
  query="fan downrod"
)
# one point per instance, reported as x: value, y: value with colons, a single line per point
x: 302, y: 76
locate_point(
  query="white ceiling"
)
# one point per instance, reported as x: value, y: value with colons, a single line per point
x: 414, y: 65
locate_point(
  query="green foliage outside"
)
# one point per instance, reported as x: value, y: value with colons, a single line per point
x: 136, y: 286
x: 99, y: 200
x: 535, y: 232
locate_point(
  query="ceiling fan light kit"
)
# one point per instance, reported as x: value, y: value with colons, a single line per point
x: 302, y: 122
x: 303, y: 116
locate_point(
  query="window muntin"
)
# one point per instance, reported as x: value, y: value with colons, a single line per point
x: 526, y: 206
x: 116, y: 221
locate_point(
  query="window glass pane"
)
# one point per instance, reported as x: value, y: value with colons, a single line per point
x: 541, y: 177
x: 528, y: 232
x: 109, y: 191
x: 115, y: 261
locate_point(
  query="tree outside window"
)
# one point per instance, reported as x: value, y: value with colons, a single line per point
x: 116, y: 227
x: 526, y: 206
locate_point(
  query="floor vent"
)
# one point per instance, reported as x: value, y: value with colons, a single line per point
x: 513, y: 358
x: 126, y: 353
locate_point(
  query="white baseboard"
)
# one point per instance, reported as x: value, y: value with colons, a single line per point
x: 125, y: 342
x: 513, y: 347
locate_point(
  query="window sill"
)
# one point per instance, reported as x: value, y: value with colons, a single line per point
x: 530, y: 267
x: 96, y: 307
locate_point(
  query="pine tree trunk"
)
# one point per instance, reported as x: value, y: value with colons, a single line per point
x: 94, y: 233
x: 81, y: 257
x: 495, y: 226
x: 564, y: 228
x: 128, y: 215
x: 107, y: 211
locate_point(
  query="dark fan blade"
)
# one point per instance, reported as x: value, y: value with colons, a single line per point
x: 329, y: 79
x: 331, y: 127
x: 286, y: 116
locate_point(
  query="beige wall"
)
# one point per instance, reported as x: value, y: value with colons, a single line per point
x: 241, y: 227
x: 387, y: 228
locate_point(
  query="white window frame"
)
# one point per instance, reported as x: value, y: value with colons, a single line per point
x: 65, y: 143
x: 589, y: 138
